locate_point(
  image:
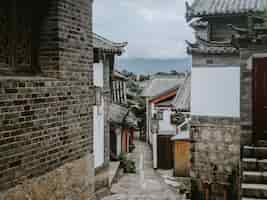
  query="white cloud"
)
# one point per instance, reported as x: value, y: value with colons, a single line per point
x: 153, y: 28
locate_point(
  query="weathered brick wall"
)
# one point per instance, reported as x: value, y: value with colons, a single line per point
x: 215, y: 152
x: 46, y: 121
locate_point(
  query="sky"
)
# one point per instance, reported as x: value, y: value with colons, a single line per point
x: 152, y: 28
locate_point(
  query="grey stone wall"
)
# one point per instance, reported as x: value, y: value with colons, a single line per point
x: 246, y: 100
x: 202, y: 60
x: 215, y: 151
x: 46, y: 120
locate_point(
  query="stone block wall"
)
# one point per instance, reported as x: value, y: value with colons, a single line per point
x: 215, y: 153
x: 46, y: 120
x: 246, y: 100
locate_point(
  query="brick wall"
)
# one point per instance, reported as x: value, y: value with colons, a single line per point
x: 46, y: 119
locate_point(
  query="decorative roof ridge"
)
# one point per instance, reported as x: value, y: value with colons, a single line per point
x: 199, y: 23
x: 210, y: 47
x: 210, y: 8
x: 115, y: 44
x: 169, y: 90
x: 118, y: 74
x: 202, y: 41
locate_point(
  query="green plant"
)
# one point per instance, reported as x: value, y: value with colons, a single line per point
x: 127, y: 165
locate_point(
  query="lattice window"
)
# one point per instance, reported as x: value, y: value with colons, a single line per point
x: 4, y: 40
x: 17, y: 37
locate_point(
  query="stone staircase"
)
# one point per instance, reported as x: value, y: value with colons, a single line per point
x: 254, y: 183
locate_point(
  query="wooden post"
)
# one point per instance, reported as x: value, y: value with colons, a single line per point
x: 207, y: 191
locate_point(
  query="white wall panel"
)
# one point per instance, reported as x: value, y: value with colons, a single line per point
x: 216, y: 91
x: 99, y: 135
x: 99, y: 118
x: 98, y: 74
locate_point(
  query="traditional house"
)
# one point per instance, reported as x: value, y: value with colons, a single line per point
x: 122, y: 120
x: 181, y: 141
x: 216, y: 99
x: 251, y: 42
x: 47, y: 99
x: 104, y: 56
x: 160, y: 93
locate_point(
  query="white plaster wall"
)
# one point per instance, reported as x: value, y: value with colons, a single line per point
x: 216, y: 91
x: 99, y: 119
x: 118, y: 135
x: 99, y: 74
x: 165, y: 125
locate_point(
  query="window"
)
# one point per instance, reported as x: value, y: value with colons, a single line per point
x: 18, y: 52
x: 160, y: 115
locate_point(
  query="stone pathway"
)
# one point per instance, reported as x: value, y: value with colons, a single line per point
x: 146, y: 184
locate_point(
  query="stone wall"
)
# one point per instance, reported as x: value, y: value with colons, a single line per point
x: 70, y: 181
x: 46, y: 120
x: 246, y: 100
x: 202, y: 60
x: 215, y: 153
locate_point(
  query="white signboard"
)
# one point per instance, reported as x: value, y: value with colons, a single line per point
x: 216, y: 91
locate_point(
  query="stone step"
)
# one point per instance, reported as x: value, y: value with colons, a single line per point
x: 254, y: 164
x: 254, y: 190
x: 255, y: 177
x: 254, y: 152
x: 252, y: 199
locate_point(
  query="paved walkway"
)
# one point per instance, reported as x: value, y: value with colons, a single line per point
x: 146, y: 184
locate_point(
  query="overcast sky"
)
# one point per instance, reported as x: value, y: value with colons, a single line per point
x: 153, y: 28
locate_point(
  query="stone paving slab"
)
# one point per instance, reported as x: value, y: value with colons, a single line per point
x: 146, y: 184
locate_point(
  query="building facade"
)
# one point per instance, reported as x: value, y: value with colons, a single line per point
x: 105, y: 52
x: 216, y: 95
x: 47, y: 98
x: 251, y: 42
x: 122, y: 120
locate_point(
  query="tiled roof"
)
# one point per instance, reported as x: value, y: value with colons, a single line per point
x: 131, y: 120
x: 202, y: 8
x: 205, y: 47
x: 118, y: 75
x: 102, y: 43
x: 199, y: 23
x: 161, y: 84
x: 183, y: 96
x: 117, y: 113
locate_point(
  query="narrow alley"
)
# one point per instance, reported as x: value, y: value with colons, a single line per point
x: 146, y: 184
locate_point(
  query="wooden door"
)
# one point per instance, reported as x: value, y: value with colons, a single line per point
x: 260, y: 99
x: 165, y: 152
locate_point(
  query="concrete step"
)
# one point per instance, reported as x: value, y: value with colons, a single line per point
x: 255, y: 177
x: 254, y: 190
x: 255, y: 152
x: 254, y: 164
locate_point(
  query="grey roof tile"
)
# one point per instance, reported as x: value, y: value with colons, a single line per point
x: 217, y: 7
x: 161, y: 84
x: 117, y: 113
x: 182, y: 100
x: 102, y: 43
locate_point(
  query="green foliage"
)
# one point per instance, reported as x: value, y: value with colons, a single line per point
x: 127, y: 165
x: 265, y: 18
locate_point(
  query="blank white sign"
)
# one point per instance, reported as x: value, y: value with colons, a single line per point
x: 216, y: 91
